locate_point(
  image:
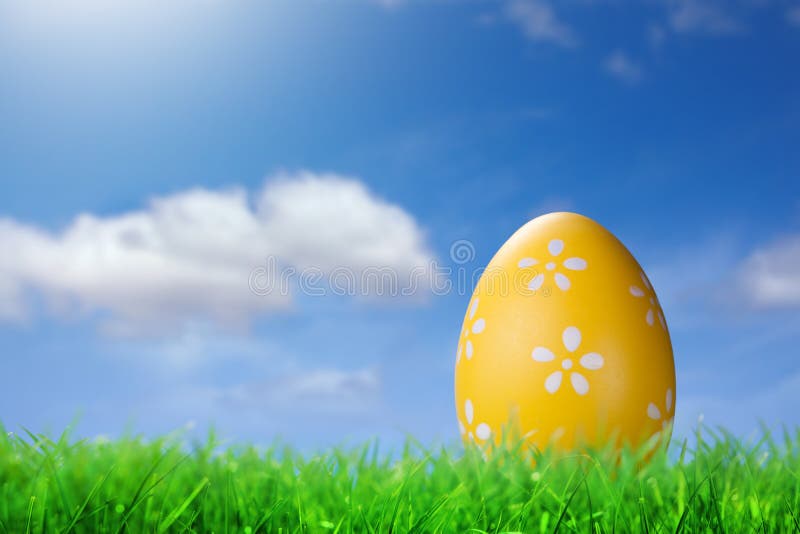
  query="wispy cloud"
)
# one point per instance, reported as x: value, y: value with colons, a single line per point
x: 315, y: 391
x: 12, y: 305
x: 793, y: 16
x: 770, y: 276
x: 772, y: 404
x: 721, y: 342
x: 692, y: 279
x: 622, y: 67
x: 656, y: 35
x: 538, y: 21
x: 189, y: 256
x: 716, y: 277
x: 702, y: 16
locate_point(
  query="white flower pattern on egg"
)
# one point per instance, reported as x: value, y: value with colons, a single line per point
x: 654, y: 309
x: 481, y: 431
x: 555, y: 247
x: 475, y: 327
x: 591, y: 361
x: 666, y: 417
x: 655, y: 413
x: 571, y: 369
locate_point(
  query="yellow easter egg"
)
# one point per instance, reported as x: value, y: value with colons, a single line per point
x: 564, y: 342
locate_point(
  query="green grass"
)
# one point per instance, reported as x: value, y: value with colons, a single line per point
x: 132, y: 485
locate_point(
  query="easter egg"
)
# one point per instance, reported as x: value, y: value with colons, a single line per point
x: 564, y: 343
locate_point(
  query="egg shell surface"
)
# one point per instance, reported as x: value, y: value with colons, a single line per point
x: 564, y: 343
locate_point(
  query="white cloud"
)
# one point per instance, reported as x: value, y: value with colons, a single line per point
x: 12, y: 305
x: 188, y: 257
x: 317, y: 403
x: 539, y: 22
x: 714, y: 279
x: 702, y: 16
x: 310, y: 391
x: 327, y: 221
x: 197, y: 348
x: 619, y: 65
x: 770, y: 276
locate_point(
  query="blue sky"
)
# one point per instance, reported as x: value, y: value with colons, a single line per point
x: 152, y: 156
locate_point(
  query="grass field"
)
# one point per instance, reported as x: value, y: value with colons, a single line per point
x: 133, y: 485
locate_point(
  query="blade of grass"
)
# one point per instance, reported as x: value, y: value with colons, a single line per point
x: 76, y: 517
x: 422, y: 522
x: 141, y: 494
x: 177, y: 512
x: 265, y: 517
x: 30, y: 514
x: 569, y: 500
x: 791, y: 513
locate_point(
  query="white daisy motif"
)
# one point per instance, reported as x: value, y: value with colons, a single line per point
x: 655, y: 413
x: 555, y: 247
x: 481, y: 431
x: 473, y: 327
x: 666, y: 417
x: 591, y: 361
x: 654, y: 309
